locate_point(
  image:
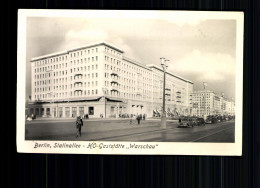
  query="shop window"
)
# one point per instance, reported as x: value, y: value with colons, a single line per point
x: 91, y: 110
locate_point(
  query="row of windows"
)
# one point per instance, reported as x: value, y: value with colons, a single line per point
x: 62, y: 87
x: 85, y: 84
x: 92, y: 75
x: 45, y: 82
x: 49, y: 68
x: 112, y: 51
x: 51, y: 60
x: 83, y: 52
x: 112, y: 60
x: 66, y: 94
x: 85, y: 68
x: 62, y: 58
x: 85, y: 60
x: 48, y: 75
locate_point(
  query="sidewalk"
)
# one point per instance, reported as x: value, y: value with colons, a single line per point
x: 96, y: 119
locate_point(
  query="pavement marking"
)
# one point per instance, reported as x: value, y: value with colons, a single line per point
x: 139, y: 133
x: 210, y: 134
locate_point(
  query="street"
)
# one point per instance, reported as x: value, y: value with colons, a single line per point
x: 121, y: 130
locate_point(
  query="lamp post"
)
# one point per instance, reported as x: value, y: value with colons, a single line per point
x: 205, y: 84
x: 104, y: 91
x: 164, y: 66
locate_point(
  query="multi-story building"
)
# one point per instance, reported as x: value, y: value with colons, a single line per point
x: 207, y: 102
x: 99, y: 80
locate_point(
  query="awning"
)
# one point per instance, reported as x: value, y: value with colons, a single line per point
x: 114, y: 99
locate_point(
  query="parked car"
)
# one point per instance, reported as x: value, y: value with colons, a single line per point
x: 200, y: 121
x: 186, y: 123
x: 211, y: 120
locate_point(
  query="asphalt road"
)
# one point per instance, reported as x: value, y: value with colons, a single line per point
x: 122, y: 130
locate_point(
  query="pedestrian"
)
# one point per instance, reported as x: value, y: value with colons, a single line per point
x: 138, y: 119
x: 79, y: 124
x: 144, y: 117
x: 131, y: 122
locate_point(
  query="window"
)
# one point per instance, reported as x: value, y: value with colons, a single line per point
x: 91, y: 110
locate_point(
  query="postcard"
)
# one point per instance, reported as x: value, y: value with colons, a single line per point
x: 130, y: 82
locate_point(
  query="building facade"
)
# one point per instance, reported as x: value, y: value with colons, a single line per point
x: 207, y: 102
x: 100, y: 81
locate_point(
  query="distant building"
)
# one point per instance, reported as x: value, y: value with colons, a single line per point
x: 99, y: 80
x: 207, y: 102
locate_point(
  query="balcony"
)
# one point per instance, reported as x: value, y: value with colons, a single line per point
x: 178, y: 92
x: 115, y: 87
x: 79, y: 86
x: 178, y: 97
x: 114, y: 73
x: 79, y: 78
x: 167, y: 89
x: 114, y: 82
x: 114, y: 92
x: 78, y: 74
x: 114, y: 77
x: 78, y: 83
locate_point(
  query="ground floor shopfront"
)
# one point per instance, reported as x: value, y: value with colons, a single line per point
x: 103, y: 108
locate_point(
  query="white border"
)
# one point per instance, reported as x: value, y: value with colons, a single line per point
x: 163, y: 148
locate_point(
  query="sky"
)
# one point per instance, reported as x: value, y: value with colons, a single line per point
x: 200, y: 50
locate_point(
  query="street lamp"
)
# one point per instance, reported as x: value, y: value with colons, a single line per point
x: 164, y: 66
x: 104, y: 91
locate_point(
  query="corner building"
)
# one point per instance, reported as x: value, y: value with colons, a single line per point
x: 99, y: 80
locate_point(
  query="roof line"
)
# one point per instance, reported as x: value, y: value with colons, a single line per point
x: 136, y: 63
x: 74, y: 49
x: 170, y: 73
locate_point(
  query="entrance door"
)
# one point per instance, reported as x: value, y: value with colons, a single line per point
x: 48, y: 111
x: 67, y: 111
x: 112, y: 111
x: 74, y: 111
x: 60, y: 112
x: 81, y: 111
x: 54, y: 112
x: 37, y: 111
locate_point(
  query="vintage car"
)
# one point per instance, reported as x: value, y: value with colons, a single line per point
x: 186, y: 122
x: 200, y: 121
x: 211, y: 120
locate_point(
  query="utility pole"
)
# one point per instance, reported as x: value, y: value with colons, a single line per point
x: 164, y: 66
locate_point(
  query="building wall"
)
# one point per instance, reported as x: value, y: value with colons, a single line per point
x: 100, y: 70
x: 208, y: 103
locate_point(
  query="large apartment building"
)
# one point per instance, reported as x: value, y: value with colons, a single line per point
x: 99, y: 80
x: 207, y: 102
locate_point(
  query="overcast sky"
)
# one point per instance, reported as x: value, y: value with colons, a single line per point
x: 199, y: 50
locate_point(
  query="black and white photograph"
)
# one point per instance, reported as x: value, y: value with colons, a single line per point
x: 130, y: 82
